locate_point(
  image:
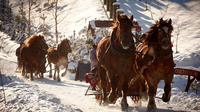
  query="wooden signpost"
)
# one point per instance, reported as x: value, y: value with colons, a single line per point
x: 190, y: 73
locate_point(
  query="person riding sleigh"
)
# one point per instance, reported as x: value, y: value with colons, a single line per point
x: 92, y: 77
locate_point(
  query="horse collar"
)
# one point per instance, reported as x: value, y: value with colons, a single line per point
x: 116, y: 41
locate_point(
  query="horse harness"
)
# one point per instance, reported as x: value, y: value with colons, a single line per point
x: 141, y: 54
x: 123, y: 53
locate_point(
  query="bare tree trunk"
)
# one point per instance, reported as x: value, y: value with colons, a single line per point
x: 56, y: 22
x: 177, y: 32
x: 2, y: 5
x: 29, y: 18
x: 177, y: 35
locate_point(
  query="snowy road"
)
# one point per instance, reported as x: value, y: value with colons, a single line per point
x: 47, y: 95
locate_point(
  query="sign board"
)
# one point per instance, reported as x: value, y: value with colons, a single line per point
x: 189, y: 72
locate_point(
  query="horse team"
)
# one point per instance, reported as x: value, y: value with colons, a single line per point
x: 124, y: 69
x: 31, y: 56
x: 128, y: 70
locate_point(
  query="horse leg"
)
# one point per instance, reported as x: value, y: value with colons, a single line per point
x: 41, y: 72
x: 50, y: 71
x: 54, y: 76
x: 26, y: 72
x: 58, y: 74
x: 152, y: 93
x: 66, y: 67
x: 124, y: 104
x: 31, y: 73
x: 102, y: 75
x: 113, y: 81
x: 37, y: 71
x: 23, y: 70
x: 41, y: 75
x: 167, y: 89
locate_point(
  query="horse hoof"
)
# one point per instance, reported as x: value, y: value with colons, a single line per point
x: 59, y: 80
x: 50, y: 76
x: 165, y: 97
x: 124, y: 105
x: 105, y: 103
x: 63, y: 74
x: 138, y: 103
x: 151, y: 106
x: 41, y: 76
x: 154, y: 110
x: 112, y: 98
x: 54, y: 78
x: 26, y: 76
x: 112, y: 101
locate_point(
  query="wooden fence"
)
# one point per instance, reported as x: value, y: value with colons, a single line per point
x: 113, y: 8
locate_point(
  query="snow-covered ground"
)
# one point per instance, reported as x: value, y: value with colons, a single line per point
x: 47, y: 95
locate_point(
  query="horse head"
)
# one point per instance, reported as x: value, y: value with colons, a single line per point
x: 160, y: 34
x: 64, y: 47
x: 41, y: 41
x: 123, y: 26
x: 37, y: 42
x: 164, y: 33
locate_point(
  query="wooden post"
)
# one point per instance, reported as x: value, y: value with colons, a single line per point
x: 29, y: 18
x: 119, y: 11
x: 189, y: 82
x: 116, y: 6
x: 3, y: 8
x: 74, y: 34
x: 107, y: 5
x: 56, y: 21
x: 104, y: 2
x: 111, y: 7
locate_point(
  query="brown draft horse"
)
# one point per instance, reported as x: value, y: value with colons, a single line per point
x: 31, y: 55
x: 156, y: 59
x: 59, y: 56
x: 116, y: 61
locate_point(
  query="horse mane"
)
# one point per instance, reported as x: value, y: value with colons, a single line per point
x: 151, y: 33
x: 64, y: 41
x: 31, y: 40
x: 62, y: 47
